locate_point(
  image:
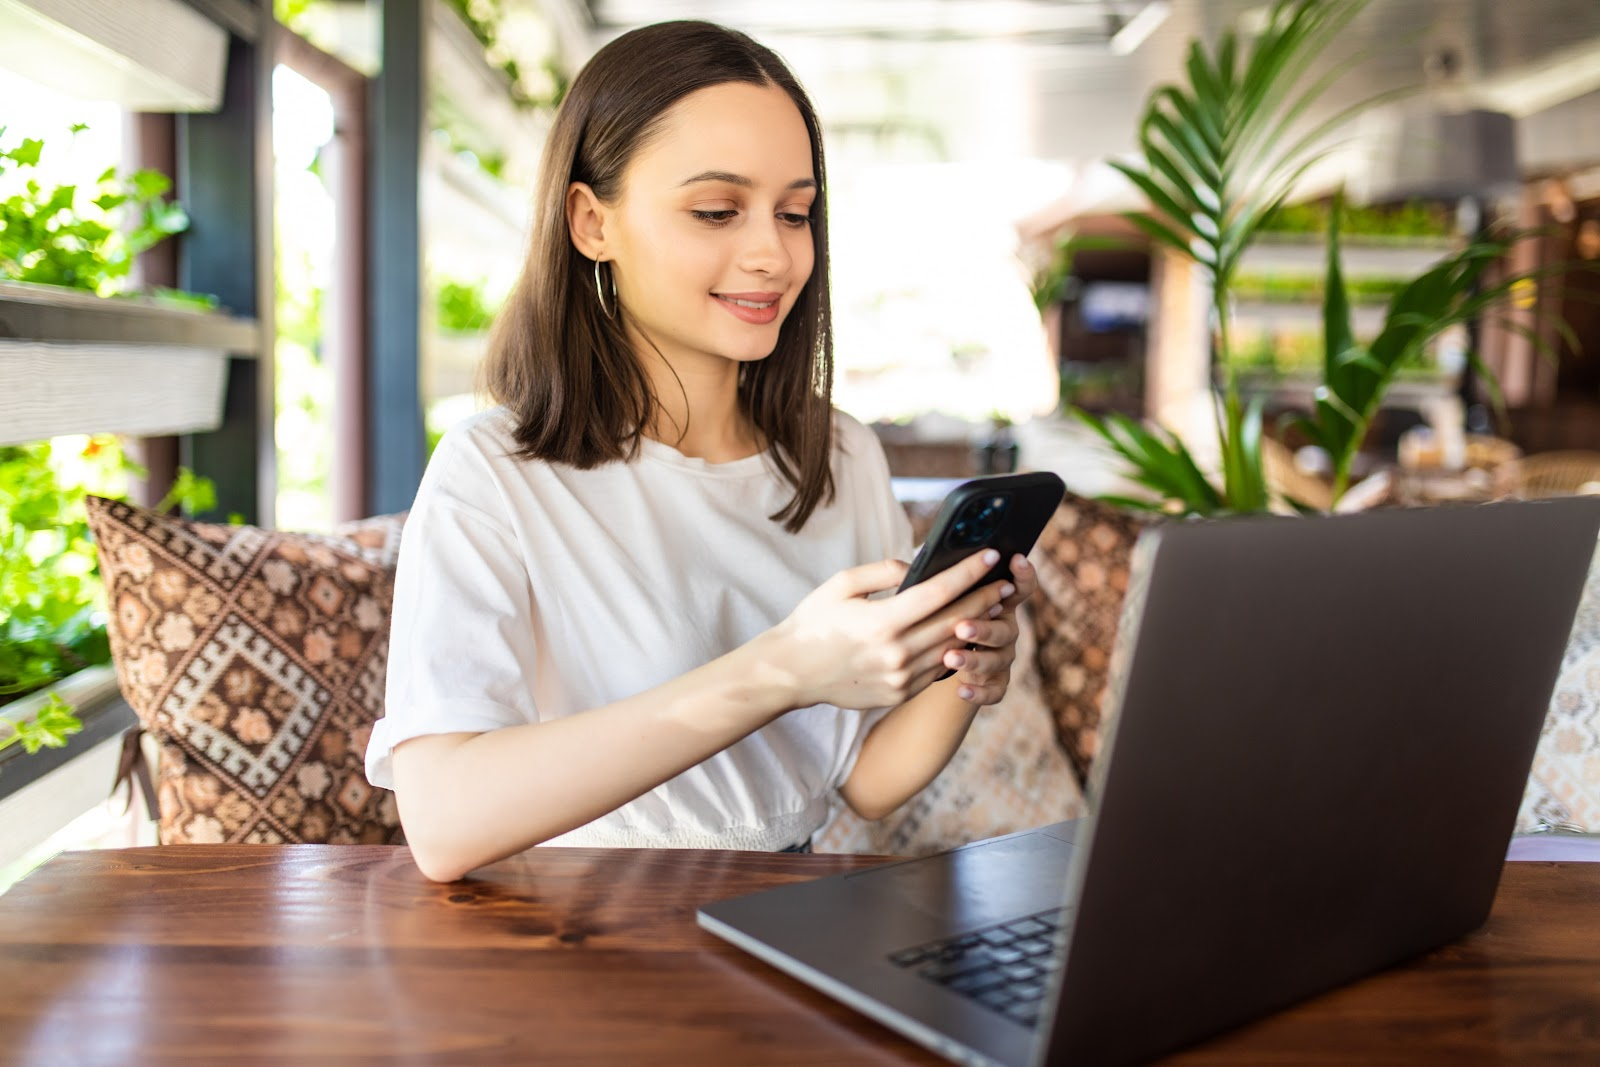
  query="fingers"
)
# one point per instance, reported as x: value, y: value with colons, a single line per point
x: 1026, y: 579
x: 982, y: 695
x: 987, y: 602
x: 985, y: 676
x: 869, y: 578
x: 927, y: 597
x: 980, y: 663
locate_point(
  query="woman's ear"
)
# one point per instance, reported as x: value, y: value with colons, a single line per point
x: 586, y: 220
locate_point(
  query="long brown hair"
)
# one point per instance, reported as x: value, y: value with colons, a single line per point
x: 562, y: 365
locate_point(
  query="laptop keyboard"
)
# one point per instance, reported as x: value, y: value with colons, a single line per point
x: 1005, y: 967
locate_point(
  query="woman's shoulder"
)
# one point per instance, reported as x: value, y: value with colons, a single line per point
x: 470, y: 460
x: 855, y: 442
x: 483, y: 441
x: 850, y: 433
x: 487, y: 431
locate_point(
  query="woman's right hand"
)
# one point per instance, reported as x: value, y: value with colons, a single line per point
x: 839, y: 647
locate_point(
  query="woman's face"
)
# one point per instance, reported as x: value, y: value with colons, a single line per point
x: 710, y: 241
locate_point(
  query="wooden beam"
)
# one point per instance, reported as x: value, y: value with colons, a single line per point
x: 225, y: 182
x: 396, y: 444
x: 238, y: 17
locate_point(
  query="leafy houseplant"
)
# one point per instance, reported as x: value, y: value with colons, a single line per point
x: 464, y: 307
x: 1219, y: 161
x: 51, y: 611
x: 536, y: 81
x: 1355, y: 375
x: 64, y: 234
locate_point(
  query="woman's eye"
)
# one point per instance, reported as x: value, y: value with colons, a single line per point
x: 796, y: 220
x: 717, y: 217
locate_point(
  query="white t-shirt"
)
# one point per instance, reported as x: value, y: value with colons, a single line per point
x: 528, y: 591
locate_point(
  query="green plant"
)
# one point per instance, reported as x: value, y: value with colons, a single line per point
x: 49, y: 595
x: 52, y: 611
x: 446, y: 132
x: 292, y: 13
x: 50, y: 728
x: 1299, y: 288
x: 464, y: 307
x: 65, y: 234
x: 1221, y: 156
x: 1050, y: 281
x: 1412, y: 219
x: 1356, y: 375
x: 536, y: 81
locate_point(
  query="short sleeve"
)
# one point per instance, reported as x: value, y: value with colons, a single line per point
x: 885, y: 514
x: 461, y: 648
x: 902, y: 544
x: 875, y: 499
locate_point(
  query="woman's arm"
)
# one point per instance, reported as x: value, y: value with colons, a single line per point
x: 467, y: 799
x: 910, y: 746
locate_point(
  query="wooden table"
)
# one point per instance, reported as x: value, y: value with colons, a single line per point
x: 306, y: 954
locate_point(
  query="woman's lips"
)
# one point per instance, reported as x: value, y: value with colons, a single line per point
x: 759, y: 309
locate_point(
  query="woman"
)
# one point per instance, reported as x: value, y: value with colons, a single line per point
x: 645, y: 601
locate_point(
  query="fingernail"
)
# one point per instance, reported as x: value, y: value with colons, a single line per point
x: 1007, y: 589
x: 994, y: 612
x: 991, y: 557
x: 956, y: 660
x: 967, y: 630
x: 1021, y: 563
x: 965, y: 693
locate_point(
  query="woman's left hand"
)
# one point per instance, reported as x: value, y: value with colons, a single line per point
x: 984, y: 673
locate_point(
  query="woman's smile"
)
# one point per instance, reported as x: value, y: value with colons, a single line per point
x: 760, y: 309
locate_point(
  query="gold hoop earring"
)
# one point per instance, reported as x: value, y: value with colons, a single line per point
x: 600, y: 294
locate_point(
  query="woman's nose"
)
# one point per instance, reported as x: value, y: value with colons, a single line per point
x: 764, y: 250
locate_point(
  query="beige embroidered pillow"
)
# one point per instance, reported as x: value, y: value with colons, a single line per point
x: 256, y: 658
x: 1083, y: 559
x: 1008, y: 775
x: 1564, y: 788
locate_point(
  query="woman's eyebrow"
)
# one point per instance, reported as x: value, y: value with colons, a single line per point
x: 741, y: 180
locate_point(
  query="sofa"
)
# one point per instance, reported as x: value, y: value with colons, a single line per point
x: 256, y: 660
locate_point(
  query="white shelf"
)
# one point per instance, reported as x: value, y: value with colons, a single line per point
x: 1366, y: 319
x: 147, y: 55
x: 472, y: 225
x: 1299, y: 390
x: 1311, y: 257
x: 476, y: 100
x: 73, y: 362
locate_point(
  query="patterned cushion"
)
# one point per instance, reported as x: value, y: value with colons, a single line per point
x: 1008, y: 775
x: 1082, y: 559
x: 256, y: 658
x: 1564, y: 788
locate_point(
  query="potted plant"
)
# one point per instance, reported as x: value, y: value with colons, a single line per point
x: 119, y: 362
x: 56, y: 242
x: 1221, y: 156
x: 54, y: 652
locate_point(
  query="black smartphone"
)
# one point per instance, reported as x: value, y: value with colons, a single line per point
x: 1005, y: 512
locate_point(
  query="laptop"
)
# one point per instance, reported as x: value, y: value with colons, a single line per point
x: 1320, y: 732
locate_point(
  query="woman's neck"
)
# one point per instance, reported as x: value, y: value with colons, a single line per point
x: 697, y: 409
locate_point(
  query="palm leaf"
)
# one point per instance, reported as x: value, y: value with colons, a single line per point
x: 1338, y: 336
x: 1157, y: 460
x: 1221, y: 154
